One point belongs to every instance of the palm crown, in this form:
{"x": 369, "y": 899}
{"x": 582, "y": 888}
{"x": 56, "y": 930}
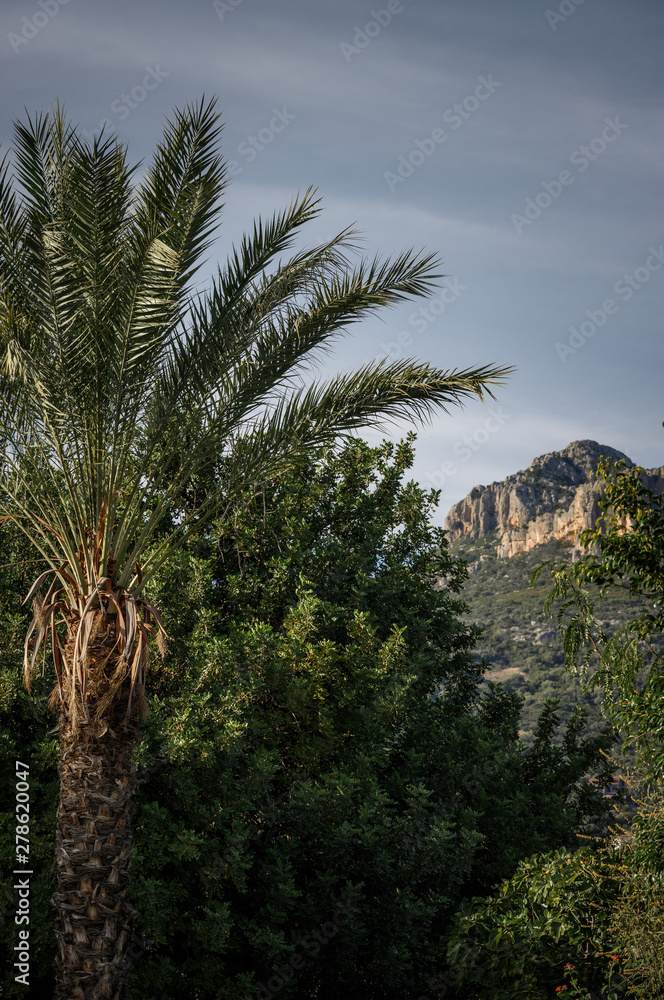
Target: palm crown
{"x": 111, "y": 359}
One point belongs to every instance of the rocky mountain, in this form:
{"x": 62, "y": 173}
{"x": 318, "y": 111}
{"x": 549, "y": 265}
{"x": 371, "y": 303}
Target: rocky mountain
{"x": 533, "y": 516}
{"x": 554, "y": 498}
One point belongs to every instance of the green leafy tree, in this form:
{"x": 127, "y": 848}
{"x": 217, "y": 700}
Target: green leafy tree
{"x": 637, "y": 918}
{"x": 545, "y": 933}
{"x": 626, "y": 550}
{"x": 298, "y": 763}
{"x": 297, "y": 780}
{"x": 121, "y": 383}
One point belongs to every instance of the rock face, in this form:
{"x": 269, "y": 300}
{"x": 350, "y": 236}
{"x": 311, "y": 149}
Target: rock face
{"x": 553, "y": 498}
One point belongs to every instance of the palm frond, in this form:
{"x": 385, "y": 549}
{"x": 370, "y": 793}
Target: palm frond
{"x": 324, "y": 413}
{"x": 179, "y": 199}
{"x": 119, "y": 384}
{"x": 376, "y": 395}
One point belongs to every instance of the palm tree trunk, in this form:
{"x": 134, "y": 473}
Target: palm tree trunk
{"x": 93, "y": 839}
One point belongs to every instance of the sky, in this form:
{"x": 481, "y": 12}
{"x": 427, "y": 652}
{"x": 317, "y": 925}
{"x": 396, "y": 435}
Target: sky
{"x": 522, "y": 141}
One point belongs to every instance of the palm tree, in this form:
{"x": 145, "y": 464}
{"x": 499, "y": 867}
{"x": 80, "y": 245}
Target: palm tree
{"x": 120, "y": 383}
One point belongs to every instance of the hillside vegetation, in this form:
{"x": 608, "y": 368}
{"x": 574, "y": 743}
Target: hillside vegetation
{"x": 519, "y": 640}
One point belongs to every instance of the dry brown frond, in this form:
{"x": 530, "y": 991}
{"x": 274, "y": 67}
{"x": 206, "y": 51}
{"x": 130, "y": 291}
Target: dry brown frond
{"x": 141, "y": 702}
{"x": 55, "y": 698}
{"x": 112, "y": 684}
{"x": 42, "y": 618}
{"x": 162, "y": 645}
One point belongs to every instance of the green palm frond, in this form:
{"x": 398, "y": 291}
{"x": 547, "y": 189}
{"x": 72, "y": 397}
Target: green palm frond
{"x": 376, "y": 395}
{"x": 179, "y": 200}
{"x": 110, "y": 360}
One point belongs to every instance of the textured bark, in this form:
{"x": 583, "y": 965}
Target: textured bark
{"x": 93, "y": 839}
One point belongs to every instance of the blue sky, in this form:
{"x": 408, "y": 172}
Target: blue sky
{"x": 521, "y": 140}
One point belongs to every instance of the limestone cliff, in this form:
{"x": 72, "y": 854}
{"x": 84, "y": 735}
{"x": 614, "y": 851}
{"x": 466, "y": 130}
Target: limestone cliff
{"x": 553, "y": 498}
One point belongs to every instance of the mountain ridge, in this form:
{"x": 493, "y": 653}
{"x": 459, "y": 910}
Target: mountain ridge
{"x": 554, "y": 498}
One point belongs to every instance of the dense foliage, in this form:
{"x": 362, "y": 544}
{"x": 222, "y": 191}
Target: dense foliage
{"x": 626, "y": 553}
{"x": 526, "y": 652}
{"x": 546, "y": 930}
{"x": 306, "y": 804}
